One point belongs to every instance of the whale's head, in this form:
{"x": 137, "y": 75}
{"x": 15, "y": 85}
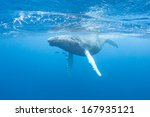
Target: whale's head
{"x": 60, "y": 41}
{"x": 55, "y": 41}
{"x": 67, "y": 43}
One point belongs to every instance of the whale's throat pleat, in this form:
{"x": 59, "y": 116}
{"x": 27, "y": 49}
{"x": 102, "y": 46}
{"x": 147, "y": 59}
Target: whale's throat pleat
{"x": 92, "y": 62}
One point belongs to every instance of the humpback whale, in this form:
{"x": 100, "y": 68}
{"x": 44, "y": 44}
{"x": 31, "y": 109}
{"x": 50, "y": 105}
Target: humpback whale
{"x": 81, "y": 45}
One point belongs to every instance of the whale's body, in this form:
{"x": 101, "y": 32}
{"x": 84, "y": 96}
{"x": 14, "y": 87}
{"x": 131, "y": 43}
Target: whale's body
{"x": 81, "y": 45}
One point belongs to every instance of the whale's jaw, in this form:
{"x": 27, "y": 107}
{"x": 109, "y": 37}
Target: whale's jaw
{"x": 68, "y": 44}
{"x": 55, "y": 41}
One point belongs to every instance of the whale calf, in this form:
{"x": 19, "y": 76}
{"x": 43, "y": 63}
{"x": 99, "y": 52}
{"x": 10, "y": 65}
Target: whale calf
{"x": 81, "y": 45}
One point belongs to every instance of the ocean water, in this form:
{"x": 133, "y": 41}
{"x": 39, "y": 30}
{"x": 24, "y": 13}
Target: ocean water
{"x": 31, "y": 69}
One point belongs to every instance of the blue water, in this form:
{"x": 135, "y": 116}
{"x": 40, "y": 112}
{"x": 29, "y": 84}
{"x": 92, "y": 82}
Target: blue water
{"x": 31, "y": 69}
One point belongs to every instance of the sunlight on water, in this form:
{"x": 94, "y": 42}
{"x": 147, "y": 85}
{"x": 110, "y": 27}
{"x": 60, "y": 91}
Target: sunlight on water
{"x": 98, "y": 18}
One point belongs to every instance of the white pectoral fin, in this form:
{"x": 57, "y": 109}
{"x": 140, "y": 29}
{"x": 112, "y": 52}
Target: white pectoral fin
{"x": 92, "y": 62}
